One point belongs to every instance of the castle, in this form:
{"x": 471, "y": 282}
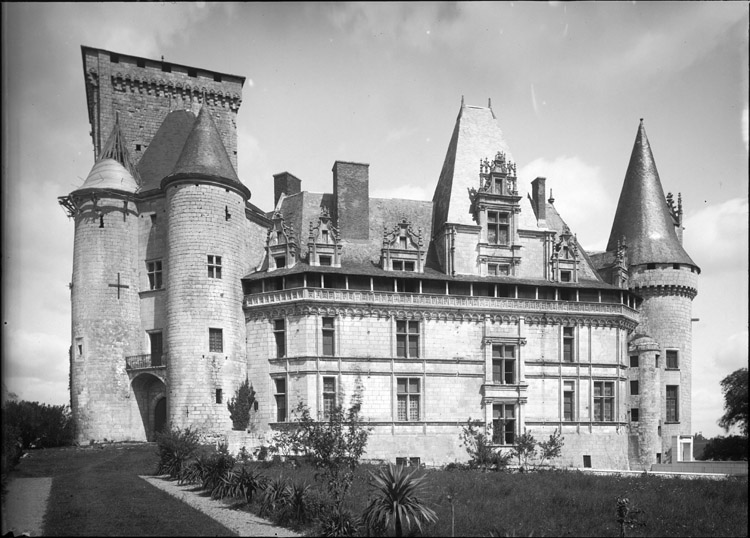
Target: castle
{"x": 478, "y": 304}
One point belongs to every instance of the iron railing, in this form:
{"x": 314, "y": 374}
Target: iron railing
{"x": 140, "y": 362}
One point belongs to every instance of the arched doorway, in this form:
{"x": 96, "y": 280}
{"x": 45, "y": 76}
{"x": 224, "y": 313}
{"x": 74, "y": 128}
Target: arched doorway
{"x": 160, "y": 415}
{"x": 151, "y": 394}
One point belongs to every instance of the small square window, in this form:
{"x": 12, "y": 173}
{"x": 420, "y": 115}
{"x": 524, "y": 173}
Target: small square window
{"x": 565, "y": 276}
{"x": 398, "y": 265}
{"x": 587, "y": 461}
{"x": 114, "y": 58}
{"x": 217, "y": 77}
{"x": 634, "y": 361}
{"x": 325, "y": 260}
{"x": 280, "y": 261}
{"x": 192, "y": 73}
{"x": 140, "y": 63}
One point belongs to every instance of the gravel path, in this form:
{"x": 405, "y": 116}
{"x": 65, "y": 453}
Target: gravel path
{"x": 243, "y": 523}
{"x": 25, "y": 505}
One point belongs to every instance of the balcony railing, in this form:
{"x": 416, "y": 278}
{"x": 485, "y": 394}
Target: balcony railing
{"x": 141, "y": 362}
{"x": 450, "y": 301}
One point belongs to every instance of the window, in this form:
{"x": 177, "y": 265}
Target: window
{"x": 154, "y": 275}
{"x": 504, "y": 364}
{"x": 503, "y": 424}
{"x": 497, "y": 228}
{"x": 496, "y": 269}
{"x": 279, "y": 333}
{"x": 156, "y": 342}
{"x": 325, "y": 260}
{"x": 329, "y": 334}
{"x": 408, "y": 394}
{"x": 634, "y": 414}
{"x": 673, "y": 414}
{"x": 569, "y": 409}
{"x": 280, "y": 397}
{"x": 329, "y": 396}
{"x": 325, "y": 237}
{"x": 407, "y": 338}
{"x": 402, "y": 243}
{"x": 604, "y": 401}
{"x": 568, "y": 344}
{"x": 399, "y": 265}
{"x": 657, "y": 361}
{"x": 673, "y": 362}
{"x": 634, "y": 361}
{"x": 216, "y": 340}
{"x": 634, "y": 388}
{"x": 214, "y": 266}
{"x": 280, "y": 261}
{"x": 565, "y": 275}
{"x": 218, "y": 396}
{"x": 586, "y": 461}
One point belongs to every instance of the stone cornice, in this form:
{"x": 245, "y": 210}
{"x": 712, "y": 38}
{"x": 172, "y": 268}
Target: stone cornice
{"x": 665, "y": 290}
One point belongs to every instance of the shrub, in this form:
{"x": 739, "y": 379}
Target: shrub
{"x": 732, "y": 448}
{"x": 396, "y": 502}
{"x": 39, "y": 425}
{"x": 241, "y": 404}
{"x": 337, "y": 521}
{"x": 275, "y": 496}
{"x": 478, "y": 444}
{"x": 215, "y": 472}
{"x": 243, "y": 484}
{"x": 175, "y": 447}
{"x": 551, "y": 449}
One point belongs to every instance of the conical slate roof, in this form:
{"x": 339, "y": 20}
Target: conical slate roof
{"x": 476, "y": 136}
{"x": 204, "y": 155}
{"x": 162, "y": 153}
{"x": 643, "y": 216}
{"x": 110, "y": 175}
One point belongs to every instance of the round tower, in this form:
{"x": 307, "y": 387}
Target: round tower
{"x": 665, "y": 277}
{"x": 105, "y": 303}
{"x": 206, "y": 260}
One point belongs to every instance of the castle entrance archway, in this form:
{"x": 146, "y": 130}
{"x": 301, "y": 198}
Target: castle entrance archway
{"x": 151, "y": 394}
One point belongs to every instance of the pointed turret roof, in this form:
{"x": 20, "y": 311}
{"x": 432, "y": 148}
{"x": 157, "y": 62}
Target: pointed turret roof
{"x": 113, "y": 170}
{"x": 204, "y": 156}
{"x": 476, "y": 136}
{"x": 643, "y": 216}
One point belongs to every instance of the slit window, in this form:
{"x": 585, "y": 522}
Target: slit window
{"x": 279, "y": 334}
{"x": 219, "y": 396}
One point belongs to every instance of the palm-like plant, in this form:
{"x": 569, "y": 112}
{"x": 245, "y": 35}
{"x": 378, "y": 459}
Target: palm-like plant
{"x": 396, "y": 502}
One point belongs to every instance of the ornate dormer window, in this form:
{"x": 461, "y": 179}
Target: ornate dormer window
{"x": 564, "y": 259}
{"x": 281, "y": 244}
{"x": 323, "y": 242}
{"x": 403, "y": 248}
{"x": 495, "y": 206}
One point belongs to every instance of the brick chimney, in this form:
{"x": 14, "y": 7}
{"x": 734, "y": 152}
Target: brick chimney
{"x": 539, "y": 197}
{"x": 351, "y": 199}
{"x": 286, "y": 183}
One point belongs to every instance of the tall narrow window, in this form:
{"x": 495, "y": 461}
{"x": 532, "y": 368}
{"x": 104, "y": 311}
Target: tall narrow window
{"x": 673, "y": 362}
{"x": 329, "y": 336}
{"x": 568, "y": 344}
{"x": 280, "y": 398}
{"x": 324, "y": 237}
{"x": 407, "y": 338}
{"x": 329, "y": 396}
{"x": 279, "y": 334}
{"x": 219, "y": 396}
{"x": 402, "y": 244}
{"x": 673, "y": 414}
{"x": 216, "y": 340}
{"x": 408, "y": 395}
{"x": 497, "y": 228}
{"x": 604, "y": 401}
{"x": 503, "y": 424}
{"x": 634, "y": 361}
{"x": 634, "y": 414}
{"x": 214, "y": 266}
{"x": 154, "y": 275}
{"x": 504, "y": 364}
{"x": 569, "y": 397}
{"x": 634, "y": 388}
{"x": 156, "y": 342}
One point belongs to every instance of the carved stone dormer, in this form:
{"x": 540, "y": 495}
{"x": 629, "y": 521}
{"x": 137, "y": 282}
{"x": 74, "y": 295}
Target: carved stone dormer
{"x": 324, "y": 242}
{"x": 620, "y": 273}
{"x": 281, "y": 244}
{"x": 564, "y": 258}
{"x": 403, "y": 248}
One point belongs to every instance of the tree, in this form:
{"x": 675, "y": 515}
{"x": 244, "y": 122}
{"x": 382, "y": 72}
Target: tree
{"x": 552, "y": 448}
{"x": 241, "y": 404}
{"x": 525, "y": 449}
{"x": 477, "y": 444}
{"x": 396, "y": 502}
{"x": 734, "y": 387}
{"x": 732, "y": 448}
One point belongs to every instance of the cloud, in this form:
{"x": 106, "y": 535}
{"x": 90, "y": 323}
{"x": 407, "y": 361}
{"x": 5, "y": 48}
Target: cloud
{"x": 717, "y": 236}
{"x": 731, "y": 353}
{"x": 580, "y": 197}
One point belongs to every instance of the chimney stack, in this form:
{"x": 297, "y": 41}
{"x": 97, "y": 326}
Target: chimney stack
{"x": 285, "y": 183}
{"x": 539, "y": 197}
{"x": 351, "y": 199}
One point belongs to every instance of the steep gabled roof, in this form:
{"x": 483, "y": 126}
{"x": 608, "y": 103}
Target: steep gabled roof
{"x": 643, "y": 216}
{"x": 476, "y": 136}
{"x": 160, "y": 157}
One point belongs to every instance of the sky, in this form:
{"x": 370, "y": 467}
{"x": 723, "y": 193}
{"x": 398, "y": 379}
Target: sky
{"x": 382, "y": 84}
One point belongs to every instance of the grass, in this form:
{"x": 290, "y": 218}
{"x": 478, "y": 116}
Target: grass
{"x": 97, "y": 492}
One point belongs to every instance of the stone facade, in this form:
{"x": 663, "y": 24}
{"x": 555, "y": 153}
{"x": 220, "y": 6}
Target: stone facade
{"x": 478, "y": 305}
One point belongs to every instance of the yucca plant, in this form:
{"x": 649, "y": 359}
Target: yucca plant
{"x": 247, "y": 484}
{"x": 396, "y": 502}
{"x": 175, "y": 448}
{"x": 275, "y": 496}
{"x": 337, "y": 521}
{"x": 298, "y": 502}
{"x": 215, "y": 468}
{"x": 192, "y": 473}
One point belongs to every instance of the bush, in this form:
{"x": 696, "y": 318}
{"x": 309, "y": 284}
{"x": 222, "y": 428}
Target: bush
{"x": 732, "y": 448}
{"x": 39, "y": 425}
{"x": 175, "y": 448}
{"x": 241, "y": 404}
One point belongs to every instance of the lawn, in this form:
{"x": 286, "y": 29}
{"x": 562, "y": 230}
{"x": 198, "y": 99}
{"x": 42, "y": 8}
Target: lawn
{"x": 97, "y": 492}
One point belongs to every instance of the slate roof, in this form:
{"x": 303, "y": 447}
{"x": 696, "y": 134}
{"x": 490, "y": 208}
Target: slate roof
{"x": 110, "y": 175}
{"x": 160, "y": 157}
{"x": 642, "y": 215}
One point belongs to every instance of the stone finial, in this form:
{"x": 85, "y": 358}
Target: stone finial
{"x": 551, "y": 198}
